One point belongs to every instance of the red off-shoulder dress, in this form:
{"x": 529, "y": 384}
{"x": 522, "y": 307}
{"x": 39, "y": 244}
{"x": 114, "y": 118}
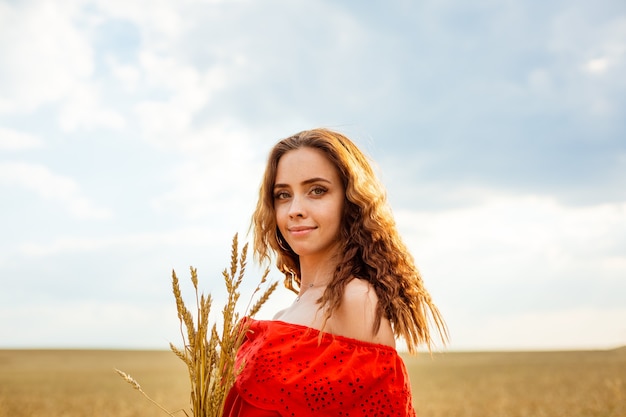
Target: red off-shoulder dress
{"x": 289, "y": 371}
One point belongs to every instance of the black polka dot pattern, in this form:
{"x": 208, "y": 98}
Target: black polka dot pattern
{"x": 290, "y": 369}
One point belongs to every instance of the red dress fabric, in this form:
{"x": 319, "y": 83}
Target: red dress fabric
{"x": 289, "y": 371}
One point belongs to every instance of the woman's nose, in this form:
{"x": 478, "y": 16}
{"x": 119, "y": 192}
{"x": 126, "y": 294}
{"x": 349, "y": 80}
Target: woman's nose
{"x": 296, "y": 208}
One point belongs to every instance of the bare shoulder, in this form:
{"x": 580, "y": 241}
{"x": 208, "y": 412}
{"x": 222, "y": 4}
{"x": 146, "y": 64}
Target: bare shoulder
{"x": 356, "y": 315}
{"x": 278, "y": 315}
{"x": 359, "y": 295}
{"x": 359, "y": 286}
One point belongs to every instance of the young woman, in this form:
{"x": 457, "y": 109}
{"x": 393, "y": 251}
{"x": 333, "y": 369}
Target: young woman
{"x": 323, "y": 214}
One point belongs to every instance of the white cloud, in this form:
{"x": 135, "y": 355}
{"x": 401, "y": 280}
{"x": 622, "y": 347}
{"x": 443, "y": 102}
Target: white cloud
{"x": 89, "y": 323}
{"x": 49, "y": 185}
{"x": 167, "y": 122}
{"x": 526, "y": 248}
{"x": 508, "y": 271}
{"x": 597, "y": 65}
{"x": 532, "y": 238}
{"x": 128, "y": 75}
{"x": 146, "y": 241}
{"x": 82, "y": 109}
{"x": 161, "y": 21}
{"x": 219, "y": 177}
{"x": 589, "y": 58}
{"x": 43, "y": 53}
{"x": 48, "y": 57}
{"x": 14, "y": 140}
{"x": 583, "y": 328}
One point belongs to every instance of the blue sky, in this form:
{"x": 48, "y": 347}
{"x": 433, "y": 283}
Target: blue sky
{"x": 133, "y": 136}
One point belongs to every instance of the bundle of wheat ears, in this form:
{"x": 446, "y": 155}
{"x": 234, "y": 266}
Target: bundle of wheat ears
{"x": 209, "y": 354}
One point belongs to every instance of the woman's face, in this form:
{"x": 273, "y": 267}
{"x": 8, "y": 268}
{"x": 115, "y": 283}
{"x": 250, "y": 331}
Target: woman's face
{"x": 308, "y": 200}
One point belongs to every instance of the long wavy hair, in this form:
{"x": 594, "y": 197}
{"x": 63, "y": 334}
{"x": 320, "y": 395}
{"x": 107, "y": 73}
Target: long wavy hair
{"x": 370, "y": 246}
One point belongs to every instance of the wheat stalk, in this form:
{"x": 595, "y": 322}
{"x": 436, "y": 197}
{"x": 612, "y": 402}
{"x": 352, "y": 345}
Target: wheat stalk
{"x": 209, "y": 355}
{"x": 136, "y": 385}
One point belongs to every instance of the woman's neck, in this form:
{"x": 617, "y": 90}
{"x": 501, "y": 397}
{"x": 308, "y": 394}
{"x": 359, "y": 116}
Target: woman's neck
{"x": 316, "y": 272}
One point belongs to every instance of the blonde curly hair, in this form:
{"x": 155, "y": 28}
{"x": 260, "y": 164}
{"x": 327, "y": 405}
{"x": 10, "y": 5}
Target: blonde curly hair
{"x": 370, "y": 245}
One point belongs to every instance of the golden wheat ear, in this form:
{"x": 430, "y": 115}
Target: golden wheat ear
{"x": 136, "y": 386}
{"x": 210, "y": 357}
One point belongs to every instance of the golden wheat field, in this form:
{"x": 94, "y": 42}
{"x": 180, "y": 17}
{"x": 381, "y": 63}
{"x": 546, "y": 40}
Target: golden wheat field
{"x": 72, "y": 383}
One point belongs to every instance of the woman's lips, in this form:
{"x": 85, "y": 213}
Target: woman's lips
{"x": 300, "y": 230}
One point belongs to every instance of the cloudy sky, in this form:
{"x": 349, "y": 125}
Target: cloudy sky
{"x": 133, "y": 136}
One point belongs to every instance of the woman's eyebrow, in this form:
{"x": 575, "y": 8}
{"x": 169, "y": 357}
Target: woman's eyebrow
{"x": 305, "y": 182}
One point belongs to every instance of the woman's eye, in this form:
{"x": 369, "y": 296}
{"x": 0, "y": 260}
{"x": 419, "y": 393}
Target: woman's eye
{"x": 281, "y": 195}
{"x": 318, "y": 191}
